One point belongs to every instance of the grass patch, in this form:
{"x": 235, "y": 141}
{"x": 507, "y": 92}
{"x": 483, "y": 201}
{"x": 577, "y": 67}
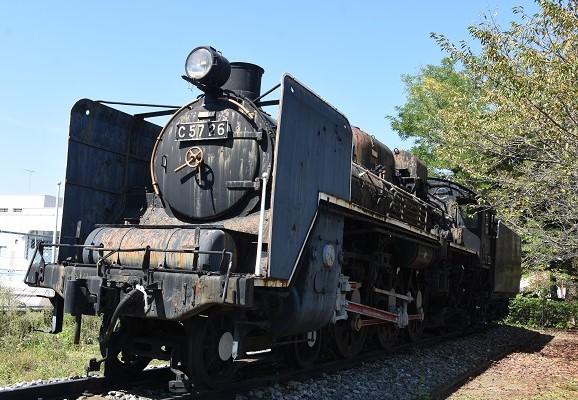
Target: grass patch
{"x": 567, "y": 390}
{"x": 27, "y": 355}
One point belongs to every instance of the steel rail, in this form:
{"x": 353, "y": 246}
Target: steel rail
{"x": 82, "y": 385}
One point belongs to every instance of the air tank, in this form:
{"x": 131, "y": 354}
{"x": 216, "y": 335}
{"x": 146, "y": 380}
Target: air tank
{"x": 169, "y": 248}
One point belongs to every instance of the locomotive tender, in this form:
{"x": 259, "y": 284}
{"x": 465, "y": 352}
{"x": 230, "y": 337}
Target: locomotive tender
{"x": 229, "y": 236}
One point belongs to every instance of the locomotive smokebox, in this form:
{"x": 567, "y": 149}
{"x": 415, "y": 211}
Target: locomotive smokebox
{"x": 245, "y": 79}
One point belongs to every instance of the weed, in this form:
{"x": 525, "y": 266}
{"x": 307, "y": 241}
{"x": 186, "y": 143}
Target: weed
{"x": 26, "y": 354}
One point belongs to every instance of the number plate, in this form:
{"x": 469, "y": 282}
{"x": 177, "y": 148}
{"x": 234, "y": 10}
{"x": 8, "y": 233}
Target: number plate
{"x": 203, "y": 130}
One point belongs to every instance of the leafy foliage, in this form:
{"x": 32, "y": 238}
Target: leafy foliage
{"x": 541, "y": 312}
{"x": 434, "y": 89}
{"x": 511, "y": 131}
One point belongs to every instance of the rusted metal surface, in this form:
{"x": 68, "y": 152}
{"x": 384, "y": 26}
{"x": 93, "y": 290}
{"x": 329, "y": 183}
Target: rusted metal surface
{"x": 372, "y": 312}
{"x": 374, "y": 193}
{"x": 273, "y": 283}
{"x": 155, "y": 215}
{"x": 385, "y": 219}
{"x": 406, "y": 160}
{"x": 41, "y": 274}
{"x": 372, "y": 154}
{"x": 170, "y": 295}
{"x": 188, "y": 294}
{"x": 411, "y": 173}
{"x": 173, "y": 248}
{"x": 248, "y": 224}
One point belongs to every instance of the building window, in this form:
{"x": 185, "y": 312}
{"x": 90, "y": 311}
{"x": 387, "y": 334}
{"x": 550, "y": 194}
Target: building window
{"x": 17, "y": 209}
{"x": 34, "y": 238}
{"x": 3, "y": 210}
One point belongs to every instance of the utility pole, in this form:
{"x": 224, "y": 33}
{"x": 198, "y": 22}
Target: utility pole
{"x": 30, "y": 172}
{"x": 55, "y": 249}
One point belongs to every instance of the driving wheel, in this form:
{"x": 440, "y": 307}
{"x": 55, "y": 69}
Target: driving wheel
{"x": 386, "y": 334}
{"x": 305, "y": 352}
{"x": 348, "y": 335}
{"x": 212, "y": 347}
{"x": 119, "y": 360}
{"x": 418, "y": 305}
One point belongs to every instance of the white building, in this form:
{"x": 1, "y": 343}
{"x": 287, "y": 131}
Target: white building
{"x": 24, "y": 221}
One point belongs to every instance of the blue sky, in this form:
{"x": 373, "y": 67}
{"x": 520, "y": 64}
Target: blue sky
{"x": 351, "y": 53}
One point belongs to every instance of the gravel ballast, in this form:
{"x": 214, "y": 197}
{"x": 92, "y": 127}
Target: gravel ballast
{"x": 412, "y": 374}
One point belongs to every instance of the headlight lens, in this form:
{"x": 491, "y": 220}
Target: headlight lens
{"x": 199, "y": 63}
{"x": 207, "y": 66}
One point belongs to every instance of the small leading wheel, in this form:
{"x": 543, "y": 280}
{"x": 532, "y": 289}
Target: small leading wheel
{"x": 418, "y": 305}
{"x": 212, "y": 347}
{"x": 348, "y": 335}
{"x": 304, "y": 354}
{"x": 386, "y": 334}
{"x": 119, "y": 359}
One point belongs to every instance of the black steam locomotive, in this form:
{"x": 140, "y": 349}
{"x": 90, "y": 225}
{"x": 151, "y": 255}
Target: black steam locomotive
{"x": 229, "y": 236}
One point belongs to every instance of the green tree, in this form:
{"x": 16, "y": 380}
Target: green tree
{"x": 433, "y": 89}
{"x": 516, "y": 140}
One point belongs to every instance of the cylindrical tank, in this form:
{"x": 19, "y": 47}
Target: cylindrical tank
{"x": 245, "y": 79}
{"x": 372, "y": 154}
{"x": 203, "y": 241}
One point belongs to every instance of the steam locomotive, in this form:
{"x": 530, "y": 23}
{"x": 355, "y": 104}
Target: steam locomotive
{"x": 228, "y": 236}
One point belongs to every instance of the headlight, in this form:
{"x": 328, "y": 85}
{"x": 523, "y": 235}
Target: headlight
{"x": 207, "y": 66}
{"x": 199, "y": 63}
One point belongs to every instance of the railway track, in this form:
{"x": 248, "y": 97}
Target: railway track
{"x": 153, "y": 382}
{"x": 78, "y": 386}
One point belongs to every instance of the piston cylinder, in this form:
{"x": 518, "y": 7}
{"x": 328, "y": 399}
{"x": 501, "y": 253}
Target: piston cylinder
{"x": 412, "y": 255}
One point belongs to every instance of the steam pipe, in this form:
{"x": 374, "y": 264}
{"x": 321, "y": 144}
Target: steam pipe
{"x": 264, "y": 177}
